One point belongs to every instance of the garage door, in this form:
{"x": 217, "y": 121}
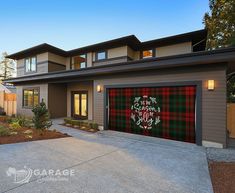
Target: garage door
{"x": 166, "y": 112}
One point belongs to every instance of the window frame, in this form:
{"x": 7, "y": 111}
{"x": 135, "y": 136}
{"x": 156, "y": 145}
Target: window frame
{"x": 30, "y": 62}
{"x": 30, "y": 89}
{"x": 153, "y": 53}
{"x": 106, "y": 55}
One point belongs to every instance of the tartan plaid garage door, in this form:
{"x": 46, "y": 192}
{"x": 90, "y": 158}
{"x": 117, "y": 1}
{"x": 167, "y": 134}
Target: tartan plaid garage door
{"x": 166, "y": 112}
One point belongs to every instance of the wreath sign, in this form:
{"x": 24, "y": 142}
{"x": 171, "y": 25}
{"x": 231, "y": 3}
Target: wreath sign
{"x": 145, "y": 112}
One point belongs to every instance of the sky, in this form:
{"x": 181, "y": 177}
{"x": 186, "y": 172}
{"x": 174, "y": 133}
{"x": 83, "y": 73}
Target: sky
{"x": 70, "y": 24}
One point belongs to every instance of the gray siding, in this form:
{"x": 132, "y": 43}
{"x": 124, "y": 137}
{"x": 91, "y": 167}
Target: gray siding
{"x": 19, "y": 91}
{"x": 213, "y": 102}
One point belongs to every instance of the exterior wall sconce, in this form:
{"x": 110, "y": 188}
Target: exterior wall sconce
{"x": 98, "y": 88}
{"x": 211, "y": 84}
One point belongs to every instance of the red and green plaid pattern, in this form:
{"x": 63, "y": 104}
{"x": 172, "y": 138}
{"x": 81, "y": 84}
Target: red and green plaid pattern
{"x": 177, "y": 111}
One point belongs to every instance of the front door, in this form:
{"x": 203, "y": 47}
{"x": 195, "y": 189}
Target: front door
{"x": 79, "y": 104}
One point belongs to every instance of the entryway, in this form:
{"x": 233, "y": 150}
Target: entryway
{"x": 79, "y": 104}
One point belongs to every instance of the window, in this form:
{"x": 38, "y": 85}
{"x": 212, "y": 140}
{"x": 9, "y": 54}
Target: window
{"x": 30, "y": 64}
{"x": 147, "y": 54}
{"x": 30, "y": 97}
{"x": 79, "y": 61}
{"x": 101, "y": 55}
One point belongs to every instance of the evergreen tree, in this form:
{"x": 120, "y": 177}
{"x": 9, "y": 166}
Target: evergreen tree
{"x": 41, "y": 117}
{"x": 220, "y": 24}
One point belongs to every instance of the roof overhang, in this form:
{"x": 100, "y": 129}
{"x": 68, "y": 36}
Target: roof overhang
{"x": 226, "y": 55}
{"x": 42, "y": 48}
{"x": 132, "y": 41}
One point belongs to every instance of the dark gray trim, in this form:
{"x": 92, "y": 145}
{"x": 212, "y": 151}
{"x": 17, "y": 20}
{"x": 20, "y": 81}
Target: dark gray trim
{"x": 51, "y": 62}
{"x": 113, "y": 59}
{"x": 198, "y": 84}
{"x": 221, "y": 56}
{"x": 44, "y": 62}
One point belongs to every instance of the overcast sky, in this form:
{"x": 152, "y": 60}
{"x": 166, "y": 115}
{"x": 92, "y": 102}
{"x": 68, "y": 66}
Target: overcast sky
{"x": 70, "y": 24}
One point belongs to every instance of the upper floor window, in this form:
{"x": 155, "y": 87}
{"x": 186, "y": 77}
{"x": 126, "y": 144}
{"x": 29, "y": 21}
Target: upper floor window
{"x": 30, "y": 64}
{"x": 147, "y": 53}
{"x": 79, "y": 62}
{"x": 101, "y": 55}
{"x": 30, "y": 97}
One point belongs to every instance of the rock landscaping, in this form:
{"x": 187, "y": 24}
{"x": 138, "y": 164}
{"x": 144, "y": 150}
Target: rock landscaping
{"x": 222, "y": 169}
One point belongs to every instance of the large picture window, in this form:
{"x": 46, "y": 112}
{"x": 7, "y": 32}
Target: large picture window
{"x": 30, "y": 97}
{"x": 79, "y": 62}
{"x": 30, "y": 64}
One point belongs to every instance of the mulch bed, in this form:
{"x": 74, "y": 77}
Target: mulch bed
{"x": 222, "y": 176}
{"x": 81, "y": 128}
{"x": 36, "y": 135}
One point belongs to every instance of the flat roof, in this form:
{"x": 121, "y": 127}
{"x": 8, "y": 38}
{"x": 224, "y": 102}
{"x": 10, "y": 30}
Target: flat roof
{"x": 223, "y": 55}
{"x": 131, "y": 41}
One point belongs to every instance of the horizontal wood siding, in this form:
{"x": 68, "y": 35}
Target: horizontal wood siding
{"x": 55, "y": 67}
{"x": 57, "y": 100}
{"x": 213, "y": 102}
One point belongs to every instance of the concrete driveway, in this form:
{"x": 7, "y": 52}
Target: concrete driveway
{"x": 106, "y": 162}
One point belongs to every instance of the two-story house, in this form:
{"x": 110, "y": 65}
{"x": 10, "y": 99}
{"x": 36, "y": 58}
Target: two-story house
{"x": 170, "y": 87}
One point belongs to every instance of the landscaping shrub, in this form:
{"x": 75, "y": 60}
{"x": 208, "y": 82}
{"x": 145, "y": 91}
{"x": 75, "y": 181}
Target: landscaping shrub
{"x": 81, "y": 123}
{"x": 75, "y": 122}
{"x": 23, "y": 121}
{"x": 68, "y": 121}
{"x": 14, "y": 125}
{"x": 4, "y": 131}
{"x": 41, "y": 117}
{"x": 93, "y": 126}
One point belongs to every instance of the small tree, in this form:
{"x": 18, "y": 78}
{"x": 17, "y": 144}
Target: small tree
{"x": 41, "y": 117}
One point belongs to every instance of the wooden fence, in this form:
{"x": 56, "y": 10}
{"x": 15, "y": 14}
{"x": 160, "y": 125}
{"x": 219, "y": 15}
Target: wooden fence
{"x": 8, "y": 103}
{"x": 231, "y": 119}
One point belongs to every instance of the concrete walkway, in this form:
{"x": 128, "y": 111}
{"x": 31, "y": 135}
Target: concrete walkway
{"x": 108, "y": 162}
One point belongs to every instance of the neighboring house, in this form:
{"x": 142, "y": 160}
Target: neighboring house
{"x": 4, "y": 88}
{"x": 170, "y": 87}
{"x": 8, "y": 88}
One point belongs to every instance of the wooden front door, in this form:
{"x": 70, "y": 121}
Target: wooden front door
{"x": 79, "y": 104}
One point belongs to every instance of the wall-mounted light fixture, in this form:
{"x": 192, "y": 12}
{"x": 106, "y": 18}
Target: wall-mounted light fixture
{"x": 98, "y": 88}
{"x": 211, "y": 84}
